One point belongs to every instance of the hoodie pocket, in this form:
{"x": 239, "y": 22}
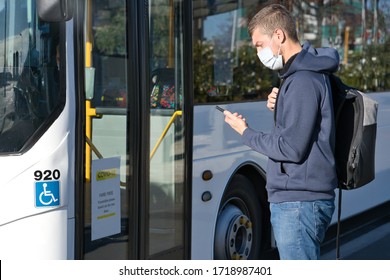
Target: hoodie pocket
{"x": 276, "y": 176}
{"x": 296, "y": 174}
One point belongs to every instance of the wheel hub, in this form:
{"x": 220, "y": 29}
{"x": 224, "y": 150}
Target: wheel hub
{"x": 233, "y": 238}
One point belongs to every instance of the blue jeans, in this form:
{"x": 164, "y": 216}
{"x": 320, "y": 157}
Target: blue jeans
{"x": 299, "y": 227}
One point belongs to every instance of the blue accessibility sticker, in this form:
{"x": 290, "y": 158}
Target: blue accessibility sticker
{"x": 47, "y": 193}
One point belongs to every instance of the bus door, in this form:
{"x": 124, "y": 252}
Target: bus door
{"x": 135, "y": 142}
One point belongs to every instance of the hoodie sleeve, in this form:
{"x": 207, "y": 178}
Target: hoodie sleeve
{"x": 291, "y": 138}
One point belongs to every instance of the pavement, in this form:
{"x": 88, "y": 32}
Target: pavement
{"x": 373, "y": 245}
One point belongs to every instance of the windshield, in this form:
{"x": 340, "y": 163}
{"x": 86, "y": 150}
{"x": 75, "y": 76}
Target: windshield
{"x": 29, "y": 73}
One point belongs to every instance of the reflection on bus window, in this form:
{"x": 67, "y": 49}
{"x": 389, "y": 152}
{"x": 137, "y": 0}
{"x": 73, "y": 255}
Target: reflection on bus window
{"x": 109, "y": 53}
{"x": 359, "y": 30}
{"x": 226, "y": 67}
{"x": 163, "y": 89}
{"x": 29, "y": 76}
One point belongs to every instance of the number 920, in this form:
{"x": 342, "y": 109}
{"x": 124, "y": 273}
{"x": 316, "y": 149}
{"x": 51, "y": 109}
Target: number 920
{"x": 47, "y": 175}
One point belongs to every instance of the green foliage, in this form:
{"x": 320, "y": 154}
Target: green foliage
{"x": 250, "y": 80}
{"x": 110, "y": 37}
{"x": 368, "y": 70}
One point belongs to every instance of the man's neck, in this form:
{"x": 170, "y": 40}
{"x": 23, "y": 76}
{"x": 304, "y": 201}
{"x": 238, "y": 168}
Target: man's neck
{"x": 291, "y": 49}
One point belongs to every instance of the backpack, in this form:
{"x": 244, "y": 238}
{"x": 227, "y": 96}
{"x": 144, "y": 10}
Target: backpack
{"x": 355, "y": 118}
{"x": 356, "y": 125}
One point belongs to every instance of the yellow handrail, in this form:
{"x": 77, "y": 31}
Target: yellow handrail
{"x": 91, "y": 112}
{"x": 171, "y": 120}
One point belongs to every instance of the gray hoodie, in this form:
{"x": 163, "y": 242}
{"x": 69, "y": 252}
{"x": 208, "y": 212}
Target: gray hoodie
{"x": 300, "y": 148}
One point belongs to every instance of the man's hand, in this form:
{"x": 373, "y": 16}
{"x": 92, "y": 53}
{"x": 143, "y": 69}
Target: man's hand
{"x": 272, "y": 99}
{"x": 236, "y": 121}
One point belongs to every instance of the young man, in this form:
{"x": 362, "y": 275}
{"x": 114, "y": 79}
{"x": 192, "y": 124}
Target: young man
{"x": 301, "y": 174}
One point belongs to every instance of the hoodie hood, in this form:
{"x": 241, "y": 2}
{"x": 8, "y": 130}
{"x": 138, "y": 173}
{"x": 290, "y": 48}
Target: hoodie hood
{"x": 322, "y": 60}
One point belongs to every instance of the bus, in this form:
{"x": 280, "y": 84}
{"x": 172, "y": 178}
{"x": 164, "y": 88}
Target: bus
{"x": 110, "y": 143}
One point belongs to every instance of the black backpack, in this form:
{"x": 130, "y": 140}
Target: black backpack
{"x": 356, "y": 125}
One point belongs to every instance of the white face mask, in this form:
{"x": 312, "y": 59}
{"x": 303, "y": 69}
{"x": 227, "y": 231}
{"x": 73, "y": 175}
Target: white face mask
{"x": 269, "y": 59}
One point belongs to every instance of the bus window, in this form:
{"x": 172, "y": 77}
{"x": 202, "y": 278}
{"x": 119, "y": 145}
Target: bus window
{"x": 166, "y": 174}
{"x": 105, "y": 25}
{"x": 29, "y": 74}
{"x": 109, "y": 54}
{"x": 226, "y": 67}
{"x": 358, "y": 30}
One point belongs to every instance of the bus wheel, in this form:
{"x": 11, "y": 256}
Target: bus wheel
{"x": 239, "y": 222}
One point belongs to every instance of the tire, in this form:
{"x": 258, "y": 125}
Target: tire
{"x": 238, "y": 233}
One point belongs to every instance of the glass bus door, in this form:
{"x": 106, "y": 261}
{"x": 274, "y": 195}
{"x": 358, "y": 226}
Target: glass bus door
{"x": 134, "y": 187}
{"x": 167, "y": 140}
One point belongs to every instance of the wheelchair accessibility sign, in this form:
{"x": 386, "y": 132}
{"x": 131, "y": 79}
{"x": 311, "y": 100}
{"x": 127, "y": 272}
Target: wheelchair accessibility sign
{"x": 47, "y": 193}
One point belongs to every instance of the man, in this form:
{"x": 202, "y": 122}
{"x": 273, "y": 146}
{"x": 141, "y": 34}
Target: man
{"x": 301, "y": 174}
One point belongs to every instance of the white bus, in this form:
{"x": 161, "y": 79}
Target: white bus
{"x": 110, "y": 144}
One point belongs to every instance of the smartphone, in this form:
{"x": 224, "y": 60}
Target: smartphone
{"x": 219, "y": 108}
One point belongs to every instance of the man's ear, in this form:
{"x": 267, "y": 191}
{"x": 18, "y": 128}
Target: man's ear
{"x": 280, "y": 36}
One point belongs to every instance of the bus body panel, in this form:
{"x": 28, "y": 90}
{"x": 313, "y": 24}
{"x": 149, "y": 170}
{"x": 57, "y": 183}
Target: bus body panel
{"x": 20, "y": 190}
{"x": 212, "y": 136}
{"x": 28, "y": 229}
{"x": 32, "y": 238}
{"x": 204, "y": 213}
{"x": 219, "y": 149}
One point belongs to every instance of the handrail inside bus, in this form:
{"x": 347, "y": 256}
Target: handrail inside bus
{"x": 171, "y": 120}
{"x": 123, "y": 111}
{"x": 100, "y": 111}
{"x": 93, "y": 147}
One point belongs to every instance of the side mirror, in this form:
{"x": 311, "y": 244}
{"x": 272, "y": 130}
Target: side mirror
{"x": 55, "y": 10}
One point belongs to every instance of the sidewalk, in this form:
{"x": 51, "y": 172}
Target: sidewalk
{"x": 374, "y": 245}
